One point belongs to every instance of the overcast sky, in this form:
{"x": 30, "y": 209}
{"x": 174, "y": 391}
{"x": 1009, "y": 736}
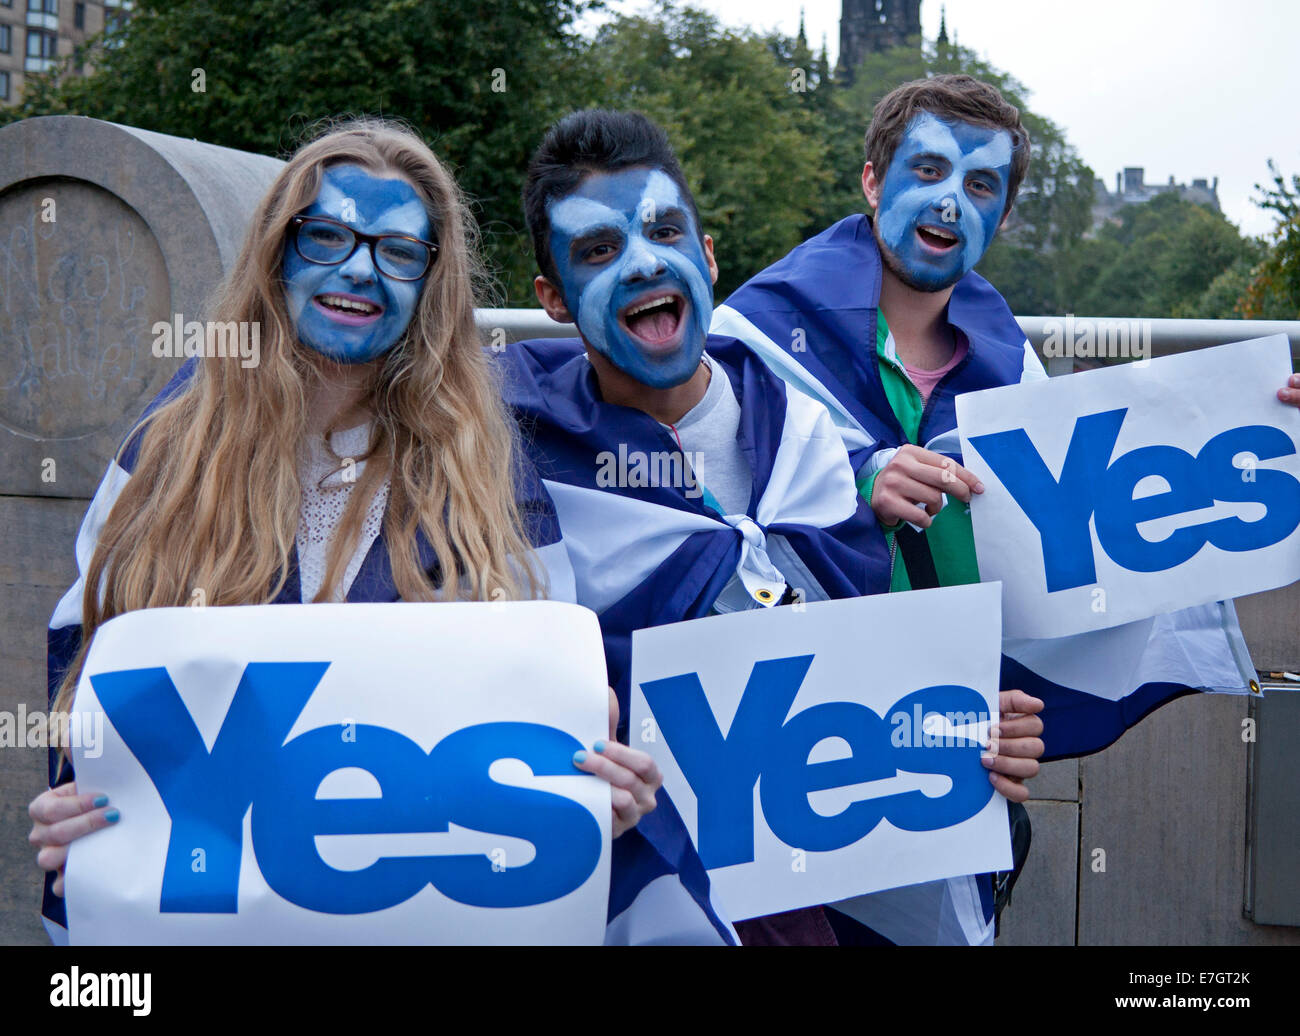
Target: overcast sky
{"x": 1197, "y": 88}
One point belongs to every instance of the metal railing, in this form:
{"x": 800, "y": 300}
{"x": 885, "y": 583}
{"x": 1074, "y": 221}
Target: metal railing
{"x": 1111, "y": 339}
{"x": 518, "y": 324}
{"x": 1162, "y": 337}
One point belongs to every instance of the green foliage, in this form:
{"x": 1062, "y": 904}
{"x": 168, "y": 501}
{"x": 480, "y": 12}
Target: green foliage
{"x": 1273, "y": 291}
{"x": 1222, "y": 300}
{"x": 770, "y": 141}
{"x": 751, "y": 146}
{"x": 1160, "y": 260}
{"x": 1053, "y": 209}
{"x": 274, "y": 68}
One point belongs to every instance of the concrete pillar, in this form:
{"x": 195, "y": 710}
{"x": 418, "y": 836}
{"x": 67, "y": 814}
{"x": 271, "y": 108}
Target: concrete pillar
{"x": 104, "y": 230}
{"x": 107, "y": 229}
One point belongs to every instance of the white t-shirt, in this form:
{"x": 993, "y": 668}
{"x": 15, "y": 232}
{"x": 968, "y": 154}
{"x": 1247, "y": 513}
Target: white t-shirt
{"x": 708, "y": 438}
{"x": 707, "y": 435}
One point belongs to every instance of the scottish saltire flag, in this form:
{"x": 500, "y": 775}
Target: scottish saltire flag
{"x": 647, "y": 546}
{"x": 645, "y": 555}
{"x": 658, "y": 890}
{"x": 812, "y": 318}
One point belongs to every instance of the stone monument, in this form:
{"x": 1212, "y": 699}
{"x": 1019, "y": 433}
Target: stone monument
{"x": 104, "y": 231}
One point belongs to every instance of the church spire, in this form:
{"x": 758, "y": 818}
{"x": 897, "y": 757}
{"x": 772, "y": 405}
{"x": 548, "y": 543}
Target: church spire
{"x": 874, "y": 26}
{"x": 943, "y": 26}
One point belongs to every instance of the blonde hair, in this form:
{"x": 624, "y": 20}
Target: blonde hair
{"x": 213, "y": 501}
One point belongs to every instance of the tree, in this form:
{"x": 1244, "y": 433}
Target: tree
{"x": 477, "y": 79}
{"x": 752, "y": 148}
{"x": 1222, "y": 299}
{"x": 1273, "y": 291}
{"x": 1053, "y": 210}
{"x": 1161, "y": 260}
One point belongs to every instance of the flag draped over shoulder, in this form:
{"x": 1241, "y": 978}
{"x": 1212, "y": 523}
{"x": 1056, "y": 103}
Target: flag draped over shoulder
{"x": 812, "y": 318}
{"x": 649, "y": 554}
{"x": 645, "y": 901}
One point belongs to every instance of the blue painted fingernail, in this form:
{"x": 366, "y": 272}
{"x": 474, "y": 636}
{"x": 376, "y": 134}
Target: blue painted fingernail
{"x": 599, "y": 746}
{"x": 101, "y": 800}
{"x": 112, "y": 816}
{"x": 579, "y": 757}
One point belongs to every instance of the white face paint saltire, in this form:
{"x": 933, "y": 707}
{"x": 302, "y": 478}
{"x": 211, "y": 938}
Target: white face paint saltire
{"x": 633, "y": 273}
{"x": 942, "y": 199}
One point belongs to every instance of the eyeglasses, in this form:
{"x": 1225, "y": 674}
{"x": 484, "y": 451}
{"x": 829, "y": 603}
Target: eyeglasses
{"x": 328, "y": 242}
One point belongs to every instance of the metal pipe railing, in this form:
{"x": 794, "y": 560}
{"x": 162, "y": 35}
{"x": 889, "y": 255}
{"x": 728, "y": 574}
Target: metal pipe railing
{"x": 1112, "y": 338}
{"x": 502, "y": 326}
{"x": 1166, "y": 335}
{"x": 1062, "y": 340}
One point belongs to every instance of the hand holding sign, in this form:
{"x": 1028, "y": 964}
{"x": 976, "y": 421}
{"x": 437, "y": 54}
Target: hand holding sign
{"x": 802, "y": 781}
{"x": 915, "y": 480}
{"x": 1119, "y": 494}
{"x": 345, "y": 773}
{"x": 60, "y": 816}
{"x": 1290, "y": 393}
{"x": 1014, "y": 745}
{"x": 632, "y": 775}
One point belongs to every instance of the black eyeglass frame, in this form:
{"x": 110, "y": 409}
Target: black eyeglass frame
{"x": 358, "y": 239}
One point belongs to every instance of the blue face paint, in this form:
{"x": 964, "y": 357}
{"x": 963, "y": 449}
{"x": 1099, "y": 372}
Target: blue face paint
{"x": 942, "y": 199}
{"x": 633, "y": 273}
{"x": 352, "y": 312}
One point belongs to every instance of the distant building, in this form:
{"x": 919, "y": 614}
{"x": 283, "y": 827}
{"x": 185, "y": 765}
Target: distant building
{"x": 36, "y": 34}
{"x": 870, "y": 26}
{"x": 1131, "y": 188}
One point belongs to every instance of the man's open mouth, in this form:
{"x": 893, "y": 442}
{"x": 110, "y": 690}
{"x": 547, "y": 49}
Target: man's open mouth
{"x": 656, "y": 320}
{"x": 937, "y": 238}
{"x": 348, "y": 309}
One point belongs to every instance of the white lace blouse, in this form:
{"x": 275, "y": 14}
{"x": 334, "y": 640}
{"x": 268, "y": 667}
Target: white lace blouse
{"x": 326, "y": 483}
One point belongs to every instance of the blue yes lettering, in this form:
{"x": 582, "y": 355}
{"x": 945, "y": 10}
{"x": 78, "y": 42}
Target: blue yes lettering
{"x": 352, "y": 312}
{"x": 942, "y": 199}
{"x": 762, "y": 742}
{"x": 1092, "y": 485}
{"x": 633, "y": 273}
{"x": 207, "y": 795}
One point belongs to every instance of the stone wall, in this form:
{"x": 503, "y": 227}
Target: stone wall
{"x": 104, "y": 230}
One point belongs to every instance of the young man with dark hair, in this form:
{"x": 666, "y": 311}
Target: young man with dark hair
{"x": 687, "y": 479}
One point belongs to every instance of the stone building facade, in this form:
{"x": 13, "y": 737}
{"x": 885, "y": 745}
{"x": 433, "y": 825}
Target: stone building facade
{"x": 1131, "y": 188}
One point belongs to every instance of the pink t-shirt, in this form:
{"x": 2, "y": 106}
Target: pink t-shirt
{"x": 925, "y": 381}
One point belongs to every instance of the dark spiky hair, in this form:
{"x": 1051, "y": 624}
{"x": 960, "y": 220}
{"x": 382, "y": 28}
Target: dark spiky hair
{"x": 594, "y": 140}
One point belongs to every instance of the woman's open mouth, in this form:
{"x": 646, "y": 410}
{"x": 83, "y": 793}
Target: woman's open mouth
{"x": 657, "y": 321}
{"x": 937, "y": 238}
{"x": 348, "y": 309}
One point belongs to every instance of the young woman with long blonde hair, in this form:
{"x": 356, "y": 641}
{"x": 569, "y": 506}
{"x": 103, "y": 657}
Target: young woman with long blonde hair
{"x": 366, "y": 456}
